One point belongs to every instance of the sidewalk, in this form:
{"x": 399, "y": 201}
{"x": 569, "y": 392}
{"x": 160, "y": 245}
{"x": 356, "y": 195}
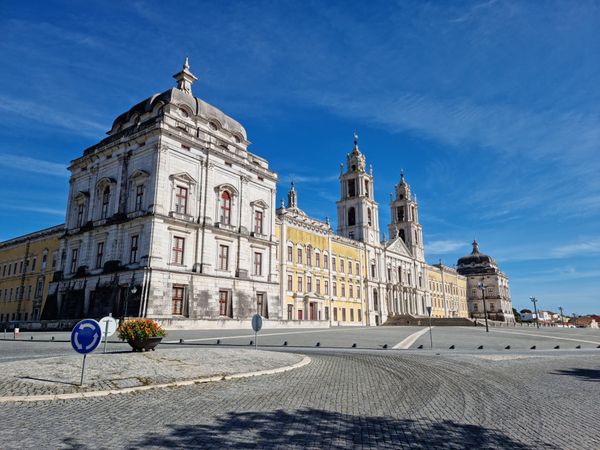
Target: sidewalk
{"x": 121, "y": 370}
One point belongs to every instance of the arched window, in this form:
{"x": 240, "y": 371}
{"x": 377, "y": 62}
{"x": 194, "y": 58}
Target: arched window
{"x": 351, "y": 217}
{"x": 367, "y": 188}
{"x": 226, "y": 208}
{"x": 105, "y": 202}
{"x": 402, "y": 236}
{"x": 369, "y": 219}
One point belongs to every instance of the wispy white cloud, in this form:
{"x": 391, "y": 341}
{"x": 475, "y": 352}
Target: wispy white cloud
{"x": 38, "y": 209}
{"x": 587, "y": 248}
{"x": 41, "y": 114}
{"x": 27, "y": 164}
{"x": 440, "y": 247}
{"x": 307, "y": 179}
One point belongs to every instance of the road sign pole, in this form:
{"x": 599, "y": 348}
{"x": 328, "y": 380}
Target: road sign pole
{"x": 430, "y": 334}
{"x": 82, "y": 369}
{"x": 105, "y": 336}
{"x": 255, "y": 340}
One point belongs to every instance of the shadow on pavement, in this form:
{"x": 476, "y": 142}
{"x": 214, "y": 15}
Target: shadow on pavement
{"x": 46, "y": 380}
{"x": 312, "y": 428}
{"x": 583, "y": 374}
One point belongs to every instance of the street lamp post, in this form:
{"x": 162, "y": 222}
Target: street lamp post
{"x": 562, "y": 318}
{"x": 133, "y": 290}
{"x": 537, "y": 319}
{"x": 482, "y": 287}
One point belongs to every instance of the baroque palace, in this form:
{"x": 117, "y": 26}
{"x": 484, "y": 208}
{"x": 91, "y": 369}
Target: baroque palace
{"x": 171, "y": 217}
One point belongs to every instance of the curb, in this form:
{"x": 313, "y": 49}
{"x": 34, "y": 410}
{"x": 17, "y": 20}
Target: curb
{"x": 91, "y": 394}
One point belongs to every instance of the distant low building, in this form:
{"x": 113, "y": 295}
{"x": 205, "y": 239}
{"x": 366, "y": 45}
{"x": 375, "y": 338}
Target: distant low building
{"x": 585, "y": 322}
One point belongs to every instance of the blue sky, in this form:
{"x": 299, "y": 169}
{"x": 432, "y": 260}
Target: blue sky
{"x": 490, "y": 107}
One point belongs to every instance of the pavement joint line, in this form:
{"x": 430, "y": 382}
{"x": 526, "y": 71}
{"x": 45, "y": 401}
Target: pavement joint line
{"x": 410, "y": 340}
{"x": 549, "y": 337}
{"x": 91, "y": 394}
{"x": 245, "y": 336}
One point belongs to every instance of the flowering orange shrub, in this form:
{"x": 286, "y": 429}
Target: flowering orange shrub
{"x": 139, "y": 329}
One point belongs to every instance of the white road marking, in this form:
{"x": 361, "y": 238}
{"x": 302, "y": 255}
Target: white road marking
{"x": 546, "y": 336}
{"x": 260, "y": 335}
{"x": 410, "y": 340}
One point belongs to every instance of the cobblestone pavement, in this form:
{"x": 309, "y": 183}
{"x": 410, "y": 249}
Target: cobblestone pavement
{"x": 60, "y": 375}
{"x": 343, "y": 399}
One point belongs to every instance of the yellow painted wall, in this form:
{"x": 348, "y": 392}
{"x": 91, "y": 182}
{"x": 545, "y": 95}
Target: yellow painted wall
{"x": 456, "y": 292}
{"x": 17, "y": 270}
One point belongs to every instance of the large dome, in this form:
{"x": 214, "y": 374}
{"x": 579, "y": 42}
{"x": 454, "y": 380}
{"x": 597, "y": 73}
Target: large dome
{"x": 476, "y": 262}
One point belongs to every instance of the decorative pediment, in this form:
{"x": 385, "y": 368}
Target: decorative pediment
{"x": 183, "y": 177}
{"x": 82, "y": 196}
{"x": 139, "y": 174}
{"x": 259, "y": 204}
{"x": 398, "y": 246}
{"x": 227, "y": 187}
{"x": 105, "y": 181}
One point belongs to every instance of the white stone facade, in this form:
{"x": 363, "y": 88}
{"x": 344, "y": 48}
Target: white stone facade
{"x": 173, "y": 204}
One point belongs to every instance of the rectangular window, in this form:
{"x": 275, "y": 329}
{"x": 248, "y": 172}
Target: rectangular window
{"x": 327, "y": 313}
{"x": 54, "y": 260}
{"x": 290, "y": 285}
{"x": 357, "y": 269}
{"x": 351, "y": 315}
{"x": 223, "y": 257}
{"x": 309, "y": 257}
{"x": 326, "y": 287}
{"x": 99, "y": 254}
{"x": 74, "y": 253}
{"x": 80, "y": 209}
{"x": 300, "y": 284}
{"x": 373, "y": 270}
{"x": 342, "y": 265}
{"x": 318, "y": 260}
{"x": 318, "y": 287}
{"x": 343, "y": 290}
{"x": 290, "y": 252}
{"x": 351, "y": 188}
{"x": 181, "y": 197}
{"x": 178, "y": 248}
{"x": 258, "y": 263}
{"x": 326, "y": 262}
{"x": 308, "y": 284}
{"x": 334, "y": 289}
{"x": 258, "y": 222}
{"x": 39, "y": 288}
{"x": 177, "y": 300}
{"x": 389, "y": 275}
{"x": 399, "y": 274}
{"x": 333, "y": 265}
{"x": 351, "y": 291}
{"x": 299, "y": 260}
{"x": 335, "y": 314}
{"x": 360, "y": 315}
{"x": 259, "y": 303}
{"x": 343, "y": 314}
{"x": 44, "y": 260}
{"x": 105, "y": 203}
{"x": 29, "y": 289}
{"x": 139, "y": 197}
{"x": 33, "y": 264}
{"x": 133, "y": 249}
{"x": 290, "y": 312}
{"x": 223, "y": 302}
{"x": 350, "y": 267}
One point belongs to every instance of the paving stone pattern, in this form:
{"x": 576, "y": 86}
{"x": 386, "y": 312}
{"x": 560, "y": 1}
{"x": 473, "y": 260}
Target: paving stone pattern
{"x": 365, "y": 399}
{"x": 60, "y": 375}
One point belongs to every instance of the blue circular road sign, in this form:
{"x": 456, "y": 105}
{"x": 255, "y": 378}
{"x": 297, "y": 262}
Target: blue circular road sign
{"x": 86, "y": 336}
{"x": 256, "y": 322}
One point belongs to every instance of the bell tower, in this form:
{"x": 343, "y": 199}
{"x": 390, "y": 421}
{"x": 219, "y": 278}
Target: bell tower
{"x": 405, "y": 219}
{"x": 358, "y": 214}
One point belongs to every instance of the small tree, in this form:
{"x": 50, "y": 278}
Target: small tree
{"x": 517, "y": 315}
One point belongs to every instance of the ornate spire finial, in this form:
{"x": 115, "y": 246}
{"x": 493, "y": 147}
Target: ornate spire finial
{"x": 185, "y": 78}
{"x": 355, "y": 139}
{"x": 475, "y": 248}
{"x": 292, "y": 197}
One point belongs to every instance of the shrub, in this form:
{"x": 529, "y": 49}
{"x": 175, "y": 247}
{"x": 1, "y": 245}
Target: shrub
{"x": 139, "y": 329}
